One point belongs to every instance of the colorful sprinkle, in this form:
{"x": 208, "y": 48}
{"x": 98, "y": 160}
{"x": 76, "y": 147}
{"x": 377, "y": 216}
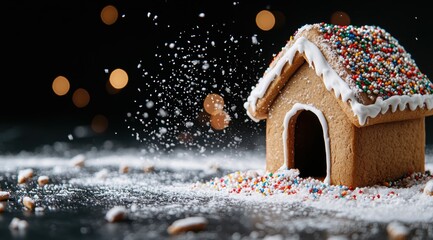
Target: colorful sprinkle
{"x": 378, "y": 65}
{"x": 288, "y": 182}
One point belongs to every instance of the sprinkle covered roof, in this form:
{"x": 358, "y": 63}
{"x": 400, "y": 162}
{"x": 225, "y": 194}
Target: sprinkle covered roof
{"x": 362, "y": 65}
{"x": 378, "y": 65}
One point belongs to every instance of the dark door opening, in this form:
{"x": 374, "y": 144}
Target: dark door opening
{"x": 309, "y": 146}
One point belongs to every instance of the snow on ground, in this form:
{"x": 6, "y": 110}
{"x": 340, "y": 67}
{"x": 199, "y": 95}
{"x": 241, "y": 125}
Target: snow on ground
{"x": 176, "y": 161}
{"x": 179, "y": 184}
{"x": 247, "y": 181}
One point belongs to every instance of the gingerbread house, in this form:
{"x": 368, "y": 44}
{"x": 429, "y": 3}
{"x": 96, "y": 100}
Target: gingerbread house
{"x": 344, "y": 104}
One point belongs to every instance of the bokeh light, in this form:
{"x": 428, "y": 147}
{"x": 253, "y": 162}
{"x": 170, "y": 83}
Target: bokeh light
{"x": 340, "y": 18}
{"x": 109, "y": 14}
{"x": 265, "y": 20}
{"x": 118, "y": 78}
{"x": 81, "y": 131}
{"x": 81, "y": 98}
{"x": 213, "y": 103}
{"x": 60, "y": 85}
{"x": 99, "y": 123}
{"x": 220, "y": 120}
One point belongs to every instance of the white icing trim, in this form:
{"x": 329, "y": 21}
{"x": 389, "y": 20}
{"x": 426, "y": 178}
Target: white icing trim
{"x": 333, "y": 81}
{"x": 298, "y": 107}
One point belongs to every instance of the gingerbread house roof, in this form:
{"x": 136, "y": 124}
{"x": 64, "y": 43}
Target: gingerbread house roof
{"x": 364, "y": 66}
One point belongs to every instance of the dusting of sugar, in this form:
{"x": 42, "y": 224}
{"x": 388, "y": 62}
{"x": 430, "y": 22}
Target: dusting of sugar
{"x": 254, "y": 40}
{"x": 102, "y": 174}
{"x": 428, "y": 189}
{"x": 201, "y": 61}
{"x": 78, "y": 160}
{"x": 402, "y": 200}
{"x": 39, "y": 209}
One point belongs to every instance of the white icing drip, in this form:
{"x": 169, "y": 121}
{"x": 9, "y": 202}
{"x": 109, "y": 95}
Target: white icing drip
{"x": 333, "y": 81}
{"x": 298, "y": 107}
{"x": 249, "y": 114}
{"x": 306, "y": 27}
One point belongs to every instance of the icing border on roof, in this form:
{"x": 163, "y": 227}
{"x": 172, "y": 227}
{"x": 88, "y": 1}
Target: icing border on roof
{"x": 333, "y": 81}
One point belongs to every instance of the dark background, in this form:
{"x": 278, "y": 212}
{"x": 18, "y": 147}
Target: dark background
{"x": 41, "y": 40}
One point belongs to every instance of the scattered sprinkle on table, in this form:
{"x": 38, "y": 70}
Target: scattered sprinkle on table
{"x": 123, "y": 168}
{"x": 18, "y": 224}
{"x": 116, "y": 214}
{"x": 24, "y": 175}
{"x": 29, "y": 203}
{"x": 4, "y": 195}
{"x": 149, "y": 169}
{"x": 187, "y": 224}
{"x": 78, "y": 161}
{"x": 43, "y": 180}
{"x": 397, "y": 231}
{"x": 288, "y": 182}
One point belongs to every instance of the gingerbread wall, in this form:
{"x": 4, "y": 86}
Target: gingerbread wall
{"x": 307, "y": 88}
{"x": 359, "y": 156}
{"x": 388, "y": 151}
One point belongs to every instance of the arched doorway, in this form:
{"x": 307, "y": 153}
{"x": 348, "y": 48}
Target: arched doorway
{"x": 309, "y": 146}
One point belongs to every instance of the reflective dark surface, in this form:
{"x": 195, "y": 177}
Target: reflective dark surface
{"x": 73, "y": 205}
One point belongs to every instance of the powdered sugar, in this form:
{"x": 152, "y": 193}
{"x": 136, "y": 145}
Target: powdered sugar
{"x": 428, "y": 189}
{"x": 180, "y": 187}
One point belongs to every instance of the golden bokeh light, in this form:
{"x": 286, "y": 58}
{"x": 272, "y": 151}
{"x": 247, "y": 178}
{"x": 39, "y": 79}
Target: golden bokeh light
{"x": 220, "y": 120}
{"x": 81, "y": 98}
{"x": 118, "y": 78}
{"x": 99, "y": 123}
{"x": 265, "y": 20}
{"x": 213, "y": 103}
{"x": 340, "y": 18}
{"x": 60, "y": 85}
{"x": 109, "y": 14}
